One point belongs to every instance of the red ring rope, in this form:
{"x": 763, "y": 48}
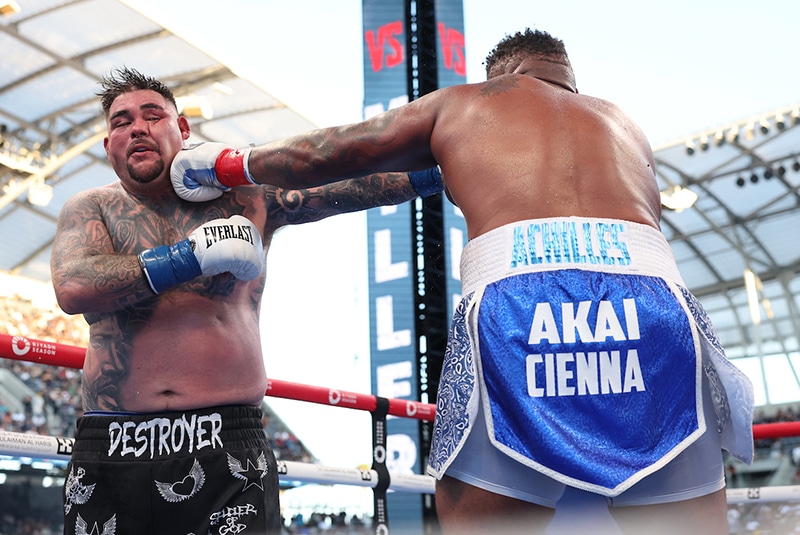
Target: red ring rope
{"x": 54, "y": 354}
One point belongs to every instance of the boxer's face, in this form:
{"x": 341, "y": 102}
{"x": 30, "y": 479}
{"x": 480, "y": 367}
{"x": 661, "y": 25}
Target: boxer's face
{"x": 144, "y": 134}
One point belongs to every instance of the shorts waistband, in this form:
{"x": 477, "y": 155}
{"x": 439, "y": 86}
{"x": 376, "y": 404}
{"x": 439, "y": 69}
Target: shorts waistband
{"x": 148, "y": 436}
{"x": 607, "y": 245}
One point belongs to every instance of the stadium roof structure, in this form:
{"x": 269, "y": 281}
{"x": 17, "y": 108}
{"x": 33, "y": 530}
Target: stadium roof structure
{"x": 51, "y": 125}
{"x": 737, "y": 245}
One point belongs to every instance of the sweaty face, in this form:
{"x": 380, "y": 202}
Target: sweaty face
{"x": 144, "y": 134}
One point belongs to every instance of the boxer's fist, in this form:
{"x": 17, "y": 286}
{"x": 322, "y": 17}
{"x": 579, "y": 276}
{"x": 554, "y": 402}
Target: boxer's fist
{"x": 201, "y": 172}
{"x": 222, "y": 245}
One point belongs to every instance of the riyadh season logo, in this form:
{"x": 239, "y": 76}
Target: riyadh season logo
{"x": 337, "y": 397}
{"x": 20, "y": 345}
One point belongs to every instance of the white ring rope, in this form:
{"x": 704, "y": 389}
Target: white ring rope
{"x": 785, "y": 493}
{"x": 60, "y": 448}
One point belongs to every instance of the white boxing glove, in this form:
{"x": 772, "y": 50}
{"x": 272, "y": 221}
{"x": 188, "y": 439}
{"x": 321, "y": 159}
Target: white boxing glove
{"x": 201, "y": 172}
{"x": 223, "y": 245}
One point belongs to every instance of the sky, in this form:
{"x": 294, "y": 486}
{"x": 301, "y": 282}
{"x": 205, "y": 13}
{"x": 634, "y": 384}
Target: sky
{"x": 676, "y": 67}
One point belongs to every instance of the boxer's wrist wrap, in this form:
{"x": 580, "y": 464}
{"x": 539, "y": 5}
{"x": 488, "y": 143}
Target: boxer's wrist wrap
{"x": 169, "y": 265}
{"x": 427, "y": 182}
{"x": 231, "y": 168}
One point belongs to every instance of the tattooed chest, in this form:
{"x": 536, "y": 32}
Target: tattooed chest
{"x": 143, "y": 228}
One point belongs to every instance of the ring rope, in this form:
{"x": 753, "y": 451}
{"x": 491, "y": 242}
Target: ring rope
{"x": 48, "y": 447}
{"x": 778, "y": 493}
{"x": 67, "y": 356}
{"x": 55, "y": 354}
{"x": 60, "y": 448}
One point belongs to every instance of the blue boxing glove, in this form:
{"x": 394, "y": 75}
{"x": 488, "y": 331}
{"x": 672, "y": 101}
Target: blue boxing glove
{"x": 427, "y": 182}
{"x": 202, "y": 172}
{"x": 223, "y": 245}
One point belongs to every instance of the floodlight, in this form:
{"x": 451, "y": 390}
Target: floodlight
{"x": 39, "y": 193}
{"x": 751, "y": 283}
{"x": 678, "y": 198}
{"x": 8, "y": 8}
{"x": 750, "y": 131}
{"x": 195, "y": 107}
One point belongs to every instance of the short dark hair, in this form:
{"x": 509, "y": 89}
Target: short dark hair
{"x": 528, "y": 43}
{"x": 125, "y": 80}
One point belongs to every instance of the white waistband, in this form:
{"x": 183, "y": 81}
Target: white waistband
{"x": 607, "y": 245}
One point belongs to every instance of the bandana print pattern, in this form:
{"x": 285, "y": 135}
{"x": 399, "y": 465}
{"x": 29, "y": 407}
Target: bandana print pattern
{"x": 722, "y": 407}
{"x": 456, "y": 388}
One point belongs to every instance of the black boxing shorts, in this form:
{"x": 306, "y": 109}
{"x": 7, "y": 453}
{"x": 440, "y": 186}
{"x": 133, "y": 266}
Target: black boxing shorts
{"x": 202, "y": 471}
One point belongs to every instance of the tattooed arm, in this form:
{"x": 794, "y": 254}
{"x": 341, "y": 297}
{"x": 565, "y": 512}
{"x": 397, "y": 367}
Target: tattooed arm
{"x": 87, "y": 274}
{"x": 400, "y": 139}
{"x": 295, "y": 206}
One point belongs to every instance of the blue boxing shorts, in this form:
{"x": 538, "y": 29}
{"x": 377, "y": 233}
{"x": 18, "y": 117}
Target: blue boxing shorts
{"x": 577, "y": 358}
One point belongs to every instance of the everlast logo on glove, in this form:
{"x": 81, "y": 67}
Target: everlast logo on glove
{"x": 231, "y": 245}
{"x": 216, "y": 233}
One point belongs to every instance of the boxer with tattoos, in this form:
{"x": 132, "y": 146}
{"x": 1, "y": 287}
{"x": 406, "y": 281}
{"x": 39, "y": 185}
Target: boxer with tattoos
{"x": 171, "y": 440}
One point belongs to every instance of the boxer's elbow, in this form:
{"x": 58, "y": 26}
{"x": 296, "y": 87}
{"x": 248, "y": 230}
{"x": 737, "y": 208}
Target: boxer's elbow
{"x": 70, "y": 298}
{"x": 74, "y": 294}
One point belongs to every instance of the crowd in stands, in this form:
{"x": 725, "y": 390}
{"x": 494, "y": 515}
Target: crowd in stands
{"x": 329, "y": 524}
{"x": 764, "y": 518}
{"x": 12, "y": 525}
{"x": 55, "y": 403}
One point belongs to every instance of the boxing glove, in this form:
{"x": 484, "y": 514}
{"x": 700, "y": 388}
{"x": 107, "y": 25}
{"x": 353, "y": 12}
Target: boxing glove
{"x": 222, "y": 245}
{"x": 427, "y": 182}
{"x": 203, "y": 171}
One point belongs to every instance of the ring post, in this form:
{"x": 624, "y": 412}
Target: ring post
{"x": 381, "y": 515}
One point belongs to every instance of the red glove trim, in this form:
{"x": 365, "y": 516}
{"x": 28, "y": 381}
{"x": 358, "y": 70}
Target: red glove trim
{"x": 229, "y": 168}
